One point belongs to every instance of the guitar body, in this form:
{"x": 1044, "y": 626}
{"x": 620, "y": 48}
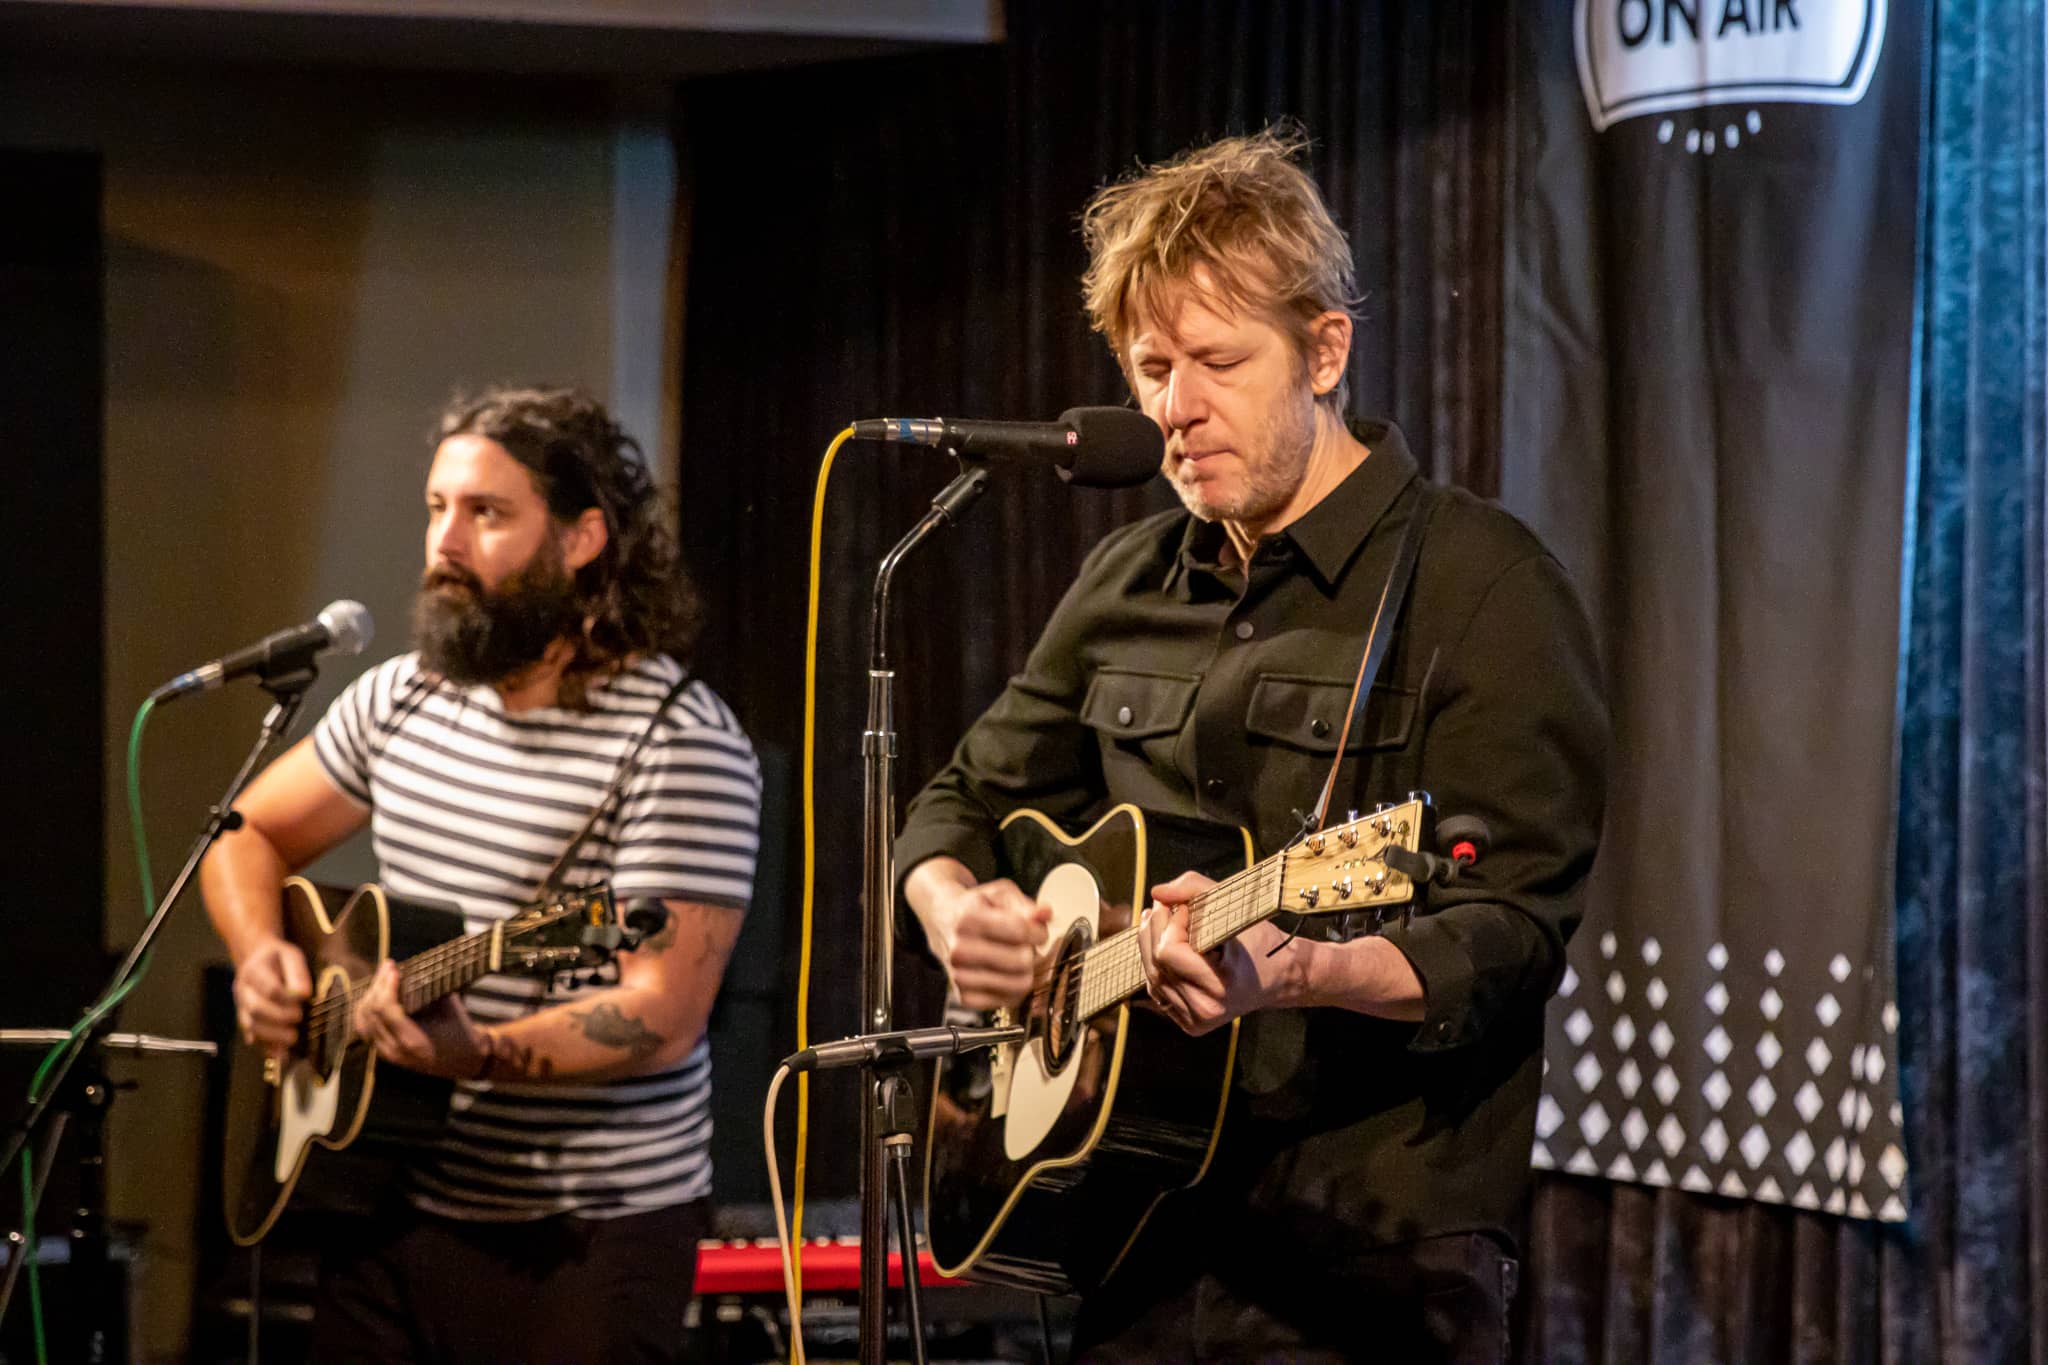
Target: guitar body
{"x": 277, "y": 1112}
{"x": 1045, "y": 1158}
{"x": 321, "y": 1094}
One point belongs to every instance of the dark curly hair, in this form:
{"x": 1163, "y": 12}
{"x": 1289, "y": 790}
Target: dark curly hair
{"x": 635, "y": 597}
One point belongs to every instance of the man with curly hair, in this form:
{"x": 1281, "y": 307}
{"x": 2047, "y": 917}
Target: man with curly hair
{"x": 1368, "y": 1191}
{"x": 556, "y": 1214}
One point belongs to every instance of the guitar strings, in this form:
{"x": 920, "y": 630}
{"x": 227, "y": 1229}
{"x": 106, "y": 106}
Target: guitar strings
{"x": 425, "y": 965}
{"x": 1114, "y": 968}
{"x": 1122, "y": 964}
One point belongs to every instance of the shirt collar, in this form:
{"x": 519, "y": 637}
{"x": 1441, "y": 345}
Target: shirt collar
{"x": 1329, "y": 533}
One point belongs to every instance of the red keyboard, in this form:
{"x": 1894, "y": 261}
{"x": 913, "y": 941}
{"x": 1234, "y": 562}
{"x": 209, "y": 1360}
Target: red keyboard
{"x": 831, "y": 1267}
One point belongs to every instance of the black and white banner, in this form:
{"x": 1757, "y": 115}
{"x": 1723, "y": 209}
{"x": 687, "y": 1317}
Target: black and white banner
{"x": 1711, "y": 232}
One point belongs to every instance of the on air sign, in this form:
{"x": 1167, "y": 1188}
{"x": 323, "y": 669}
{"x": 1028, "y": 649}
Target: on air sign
{"x": 1646, "y": 56}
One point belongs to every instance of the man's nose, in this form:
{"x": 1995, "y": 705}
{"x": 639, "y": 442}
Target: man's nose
{"x": 1186, "y": 400}
{"x": 446, "y": 543}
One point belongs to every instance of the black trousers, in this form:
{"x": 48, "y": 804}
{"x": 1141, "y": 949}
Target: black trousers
{"x": 408, "y": 1287}
{"x": 1436, "y": 1301}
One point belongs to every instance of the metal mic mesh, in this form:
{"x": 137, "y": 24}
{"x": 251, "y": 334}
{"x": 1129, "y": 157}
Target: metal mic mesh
{"x": 349, "y": 628}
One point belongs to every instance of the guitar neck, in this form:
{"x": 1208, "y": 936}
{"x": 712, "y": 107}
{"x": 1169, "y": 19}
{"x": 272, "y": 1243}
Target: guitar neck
{"x": 445, "y": 969}
{"x": 1114, "y": 969}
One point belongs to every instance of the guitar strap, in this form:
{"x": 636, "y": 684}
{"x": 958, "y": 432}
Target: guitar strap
{"x": 552, "y": 882}
{"x": 1377, "y": 637}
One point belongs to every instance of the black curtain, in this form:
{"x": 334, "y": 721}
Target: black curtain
{"x": 900, "y": 237}
{"x": 51, "y": 543}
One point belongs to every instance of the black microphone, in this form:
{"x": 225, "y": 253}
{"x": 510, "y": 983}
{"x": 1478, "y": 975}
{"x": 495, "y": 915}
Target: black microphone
{"x": 1465, "y": 839}
{"x": 1092, "y": 447}
{"x": 342, "y": 627}
{"x": 903, "y": 1045}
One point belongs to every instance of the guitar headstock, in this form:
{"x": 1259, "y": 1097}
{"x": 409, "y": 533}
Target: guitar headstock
{"x": 1344, "y": 866}
{"x": 574, "y": 931}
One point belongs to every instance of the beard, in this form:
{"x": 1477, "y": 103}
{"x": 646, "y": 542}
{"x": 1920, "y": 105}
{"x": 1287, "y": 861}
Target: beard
{"x": 470, "y": 635}
{"x": 1274, "y": 464}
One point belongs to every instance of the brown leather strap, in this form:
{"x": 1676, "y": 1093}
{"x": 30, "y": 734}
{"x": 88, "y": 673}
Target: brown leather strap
{"x": 1377, "y": 637}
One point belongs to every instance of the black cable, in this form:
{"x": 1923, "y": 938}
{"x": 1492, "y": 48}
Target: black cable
{"x": 256, "y": 1304}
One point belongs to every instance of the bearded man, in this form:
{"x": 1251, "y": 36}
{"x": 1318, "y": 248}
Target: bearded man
{"x": 1367, "y": 1195}
{"x": 557, "y": 1215}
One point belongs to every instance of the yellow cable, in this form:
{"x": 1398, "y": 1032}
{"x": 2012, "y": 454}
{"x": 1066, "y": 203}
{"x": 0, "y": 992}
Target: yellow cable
{"x": 810, "y": 843}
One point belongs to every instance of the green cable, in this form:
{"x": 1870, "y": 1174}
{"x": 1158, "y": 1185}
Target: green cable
{"x": 84, "y": 1026}
{"x": 28, "y": 1257}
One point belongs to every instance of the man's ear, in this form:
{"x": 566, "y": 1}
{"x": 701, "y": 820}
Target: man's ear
{"x": 584, "y": 539}
{"x": 1329, "y": 350}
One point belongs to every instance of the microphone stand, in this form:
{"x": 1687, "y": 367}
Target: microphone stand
{"x": 287, "y": 686}
{"x": 883, "y": 1131}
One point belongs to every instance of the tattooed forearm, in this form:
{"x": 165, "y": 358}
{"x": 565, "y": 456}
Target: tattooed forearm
{"x": 512, "y": 1060}
{"x": 611, "y": 1026}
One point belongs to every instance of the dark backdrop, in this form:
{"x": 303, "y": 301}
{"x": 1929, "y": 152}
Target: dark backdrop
{"x": 50, "y": 557}
{"x": 901, "y": 238}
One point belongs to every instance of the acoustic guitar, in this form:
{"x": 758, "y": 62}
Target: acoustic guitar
{"x": 1045, "y": 1158}
{"x": 319, "y": 1095}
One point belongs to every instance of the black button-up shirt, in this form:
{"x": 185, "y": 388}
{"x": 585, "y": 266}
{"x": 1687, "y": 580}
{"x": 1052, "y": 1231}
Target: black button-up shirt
{"x": 1171, "y": 678}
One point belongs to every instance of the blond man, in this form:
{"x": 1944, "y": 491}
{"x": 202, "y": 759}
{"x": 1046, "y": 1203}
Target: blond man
{"x": 1369, "y": 1191}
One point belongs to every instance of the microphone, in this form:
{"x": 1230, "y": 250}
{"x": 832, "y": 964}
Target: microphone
{"x": 904, "y": 1045}
{"x": 342, "y": 627}
{"x": 1092, "y": 447}
{"x": 1465, "y": 839}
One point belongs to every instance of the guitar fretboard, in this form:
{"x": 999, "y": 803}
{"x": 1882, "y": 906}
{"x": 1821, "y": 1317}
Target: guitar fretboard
{"x": 1114, "y": 970}
{"x": 422, "y": 979}
{"x": 426, "y": 977}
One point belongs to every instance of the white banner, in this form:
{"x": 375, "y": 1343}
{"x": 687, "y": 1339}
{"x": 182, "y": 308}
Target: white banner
{"x": 1646, "y": 56}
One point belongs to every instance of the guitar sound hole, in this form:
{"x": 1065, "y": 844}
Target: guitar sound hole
{"x": 1063, "y": 1003}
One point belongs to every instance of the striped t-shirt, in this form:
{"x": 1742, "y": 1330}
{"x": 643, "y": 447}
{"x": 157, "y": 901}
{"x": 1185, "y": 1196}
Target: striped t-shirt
{"x": 471, "y": 806}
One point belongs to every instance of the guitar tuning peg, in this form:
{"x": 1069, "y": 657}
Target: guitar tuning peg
{"x": 1352, "y": 817}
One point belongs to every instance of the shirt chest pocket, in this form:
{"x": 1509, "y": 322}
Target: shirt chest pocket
{"x": 1308, "y": 714}
{"x": 1139, "y": 713}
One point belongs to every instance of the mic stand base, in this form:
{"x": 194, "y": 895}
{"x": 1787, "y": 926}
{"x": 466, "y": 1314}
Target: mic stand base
{"x": 895, "y": 1123}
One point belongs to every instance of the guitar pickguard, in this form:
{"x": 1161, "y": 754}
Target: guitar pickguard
{"x": 1037, "y": 1093}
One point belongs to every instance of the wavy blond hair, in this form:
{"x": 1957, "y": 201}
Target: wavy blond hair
{"x": 1244, "y": 211}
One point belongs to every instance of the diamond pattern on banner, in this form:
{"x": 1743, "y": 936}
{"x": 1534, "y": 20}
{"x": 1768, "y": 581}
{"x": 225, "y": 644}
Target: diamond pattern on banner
{"x": 1661, "y": 1039}
{"x": 1808, "y": 1101}
{"x": 1799, "y": 1152}
{"x": 1767, "y": 1073}
{"x": 1579, "y": 1027}
{"x": 1666, "y": 1084}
